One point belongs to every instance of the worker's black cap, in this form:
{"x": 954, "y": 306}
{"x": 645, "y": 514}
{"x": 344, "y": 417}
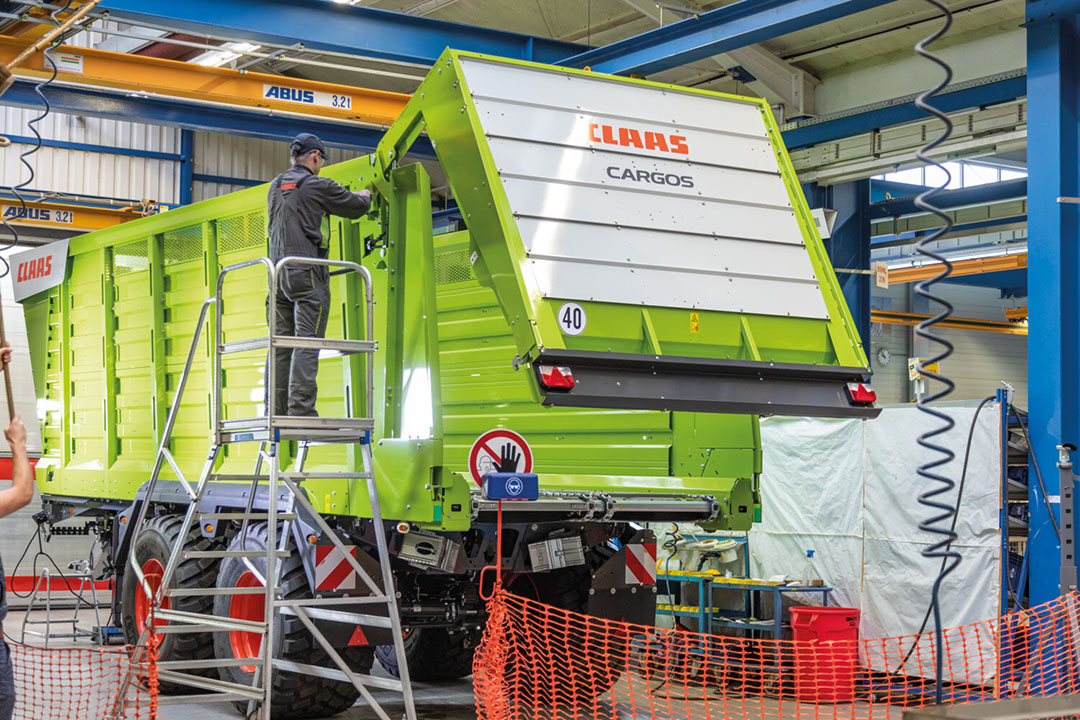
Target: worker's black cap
{"x": 304, "y": 143}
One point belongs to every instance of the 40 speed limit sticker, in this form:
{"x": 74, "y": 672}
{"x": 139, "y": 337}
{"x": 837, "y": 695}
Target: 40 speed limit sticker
{"x": 572, "y": 318}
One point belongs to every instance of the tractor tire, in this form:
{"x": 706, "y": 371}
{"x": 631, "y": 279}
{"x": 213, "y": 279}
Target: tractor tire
{"x": 295, "y": 696}
{"x": 433, "y": 654}
{"x": 155, "y": 543}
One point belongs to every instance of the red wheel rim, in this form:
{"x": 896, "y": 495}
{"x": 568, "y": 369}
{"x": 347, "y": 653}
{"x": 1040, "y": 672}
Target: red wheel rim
{"x": 153, "y": 571}
{"x": 247, "y": 607}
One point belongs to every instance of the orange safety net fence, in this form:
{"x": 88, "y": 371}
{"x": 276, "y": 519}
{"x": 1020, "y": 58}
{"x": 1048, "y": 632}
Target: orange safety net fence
{"x": 116, "y": 683}
{"x": 537, "y": 662}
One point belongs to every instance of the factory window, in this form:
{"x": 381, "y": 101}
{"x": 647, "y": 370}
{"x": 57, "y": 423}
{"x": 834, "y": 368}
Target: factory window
{"x": 961, "y": 174}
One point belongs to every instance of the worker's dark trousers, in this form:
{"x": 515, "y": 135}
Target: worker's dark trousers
{"x": 7, "y": 682}
{"x": 303, "y": 306}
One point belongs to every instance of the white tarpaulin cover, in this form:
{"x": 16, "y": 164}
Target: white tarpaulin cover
{"x": 847, "y": 489}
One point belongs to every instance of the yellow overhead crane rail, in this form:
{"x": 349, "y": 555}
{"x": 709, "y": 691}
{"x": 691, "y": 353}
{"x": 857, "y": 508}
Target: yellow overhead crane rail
{"x": 175, "y": 79}
{"x": 957, "y": 323}
{"x": 70, "y": 216}
{"x": 974, "y": 266}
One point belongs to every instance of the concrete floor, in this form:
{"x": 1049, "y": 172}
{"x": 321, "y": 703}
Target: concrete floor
{"x": 455, "y": 700}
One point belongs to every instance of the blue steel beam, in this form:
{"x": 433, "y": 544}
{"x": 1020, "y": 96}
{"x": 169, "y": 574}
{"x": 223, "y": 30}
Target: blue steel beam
{"x": 728, "y": 28}
{"x": 329, "y": 26}
{"x": 982, "y": 226}
{"x": 1040, "y": 11}
{"x": 187, "y": 166}
{"x": 1053, "y": 62}
{"x": 814, "y": 132}
{"x": 849, "y": 244}
{"x": 959, "y": 197}
{"x": 225, "y": 180}
{"x": 89, "y": 147}
{"x": 192, "y": 116}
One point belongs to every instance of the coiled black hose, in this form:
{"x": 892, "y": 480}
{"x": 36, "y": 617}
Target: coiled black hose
{"x": 939, "y": 497}
{"x": 22, "y": 211}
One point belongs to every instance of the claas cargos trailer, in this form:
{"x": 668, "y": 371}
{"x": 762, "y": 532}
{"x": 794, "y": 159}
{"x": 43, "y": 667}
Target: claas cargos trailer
{"x": 638, "y": 278}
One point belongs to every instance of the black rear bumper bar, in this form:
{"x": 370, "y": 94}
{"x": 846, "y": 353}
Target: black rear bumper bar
{"x": 659, "y": 382}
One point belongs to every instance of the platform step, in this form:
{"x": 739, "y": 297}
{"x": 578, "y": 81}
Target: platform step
{"x": 200, "y": 698}
{"x": 336, "y": 674}
{"x": 204, "y": 664}
{"x": 205, "y": 592}
{"x": 203, "y": 620}
{"x": 341, "y": 616}
{"x": 344, "y": 347}
{"x": 231, "y": 553}
{"x": 245, "y": 691}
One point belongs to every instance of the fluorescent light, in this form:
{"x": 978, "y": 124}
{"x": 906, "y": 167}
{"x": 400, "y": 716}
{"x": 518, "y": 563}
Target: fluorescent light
{"x": 217, "y": 58}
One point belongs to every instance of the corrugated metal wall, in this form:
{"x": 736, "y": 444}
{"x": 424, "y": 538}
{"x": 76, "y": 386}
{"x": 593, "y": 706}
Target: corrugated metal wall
{"x": 981, "y": 359}
{"x": 246, "y": 158}
{"x": 79, "y": 172}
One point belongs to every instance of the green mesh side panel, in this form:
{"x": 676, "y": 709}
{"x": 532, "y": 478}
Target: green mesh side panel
{"x": 183, "y": 245}
{"x": 242, "y": 232}
{"x": 453, "y": 267}
{"x": 131, "y": 258}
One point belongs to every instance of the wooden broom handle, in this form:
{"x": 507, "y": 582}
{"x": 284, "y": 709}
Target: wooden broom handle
{"x": 7, "y": 367}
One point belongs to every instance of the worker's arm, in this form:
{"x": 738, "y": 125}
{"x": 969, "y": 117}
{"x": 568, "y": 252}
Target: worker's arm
{"x": 21, "y": 491}
{"x": 340, "y": 201}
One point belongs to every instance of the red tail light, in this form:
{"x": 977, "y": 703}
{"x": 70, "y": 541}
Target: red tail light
{"x": 861, "y": 393}
{"x": 555, "y": 377}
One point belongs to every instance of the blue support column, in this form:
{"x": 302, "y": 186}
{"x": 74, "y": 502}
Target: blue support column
{"x": 187, "y": 166}
{"x": 1053, "y": 269}
{"x": 849, "y": 246}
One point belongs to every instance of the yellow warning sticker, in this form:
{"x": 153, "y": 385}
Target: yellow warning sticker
{"x": 695, "y": 323}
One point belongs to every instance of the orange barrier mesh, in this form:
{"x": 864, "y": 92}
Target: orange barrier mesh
{"x": 83, "y": 684}
{"x": 538, "y": 662}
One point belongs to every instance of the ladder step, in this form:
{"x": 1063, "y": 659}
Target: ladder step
{"x": 244, "y": 516}
{"x": 336, "y": 674}
{"x": 213, "y": 621}
{"x": 344, "y": 347}
{"x": 351, "y": 618}
{"x": 200, "y": 698}
{"x": 204, "y": 592}
{"x": 206, "y": 683}
{"x": 295, "y": 422}
{"x": 203, "y": 664}
{"x": 182, "y": 629}
{"x": 231, "y": 553}
{"x": 322, "y": 602}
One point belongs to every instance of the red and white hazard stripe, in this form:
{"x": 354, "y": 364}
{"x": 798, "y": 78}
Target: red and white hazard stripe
{"x": 333, "y": 571}
{"x": 641, "y": 564}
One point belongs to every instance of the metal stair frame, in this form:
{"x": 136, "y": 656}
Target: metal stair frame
{"x": 270, "y": 434}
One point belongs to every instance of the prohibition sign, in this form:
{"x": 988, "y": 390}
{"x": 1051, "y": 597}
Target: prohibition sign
{"x": 496, "y": 447}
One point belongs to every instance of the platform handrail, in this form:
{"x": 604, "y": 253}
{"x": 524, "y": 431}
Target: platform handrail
{"x": 163, "y": 449}
{"x": 273, "y": 270}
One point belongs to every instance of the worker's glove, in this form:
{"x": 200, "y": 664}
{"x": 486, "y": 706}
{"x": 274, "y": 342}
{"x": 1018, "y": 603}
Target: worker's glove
{"x": 365, "y": 193}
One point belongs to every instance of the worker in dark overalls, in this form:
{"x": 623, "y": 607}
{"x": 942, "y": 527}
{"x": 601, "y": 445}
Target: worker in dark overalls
{"x": 299, "y": 207}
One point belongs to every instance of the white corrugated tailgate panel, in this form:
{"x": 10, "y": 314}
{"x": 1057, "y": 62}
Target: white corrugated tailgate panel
{"x": 642, "y": 196}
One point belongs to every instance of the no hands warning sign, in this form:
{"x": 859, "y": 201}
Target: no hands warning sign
{"x": 499, "y": 451}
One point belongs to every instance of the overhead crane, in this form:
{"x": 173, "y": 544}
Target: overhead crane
{"x": 148, "y": 76}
